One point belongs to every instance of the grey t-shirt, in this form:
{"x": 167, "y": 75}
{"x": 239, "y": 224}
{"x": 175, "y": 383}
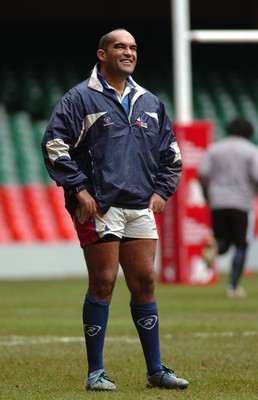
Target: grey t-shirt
{"x": 229, "y": 173}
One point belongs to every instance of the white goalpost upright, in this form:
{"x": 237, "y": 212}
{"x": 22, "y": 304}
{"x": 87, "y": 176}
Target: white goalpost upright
{"x": 182, "y": 36}
{"x": 180, "y": 21}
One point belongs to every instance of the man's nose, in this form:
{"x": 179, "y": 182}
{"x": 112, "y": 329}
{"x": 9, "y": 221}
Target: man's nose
{"x": 128, "y": 50}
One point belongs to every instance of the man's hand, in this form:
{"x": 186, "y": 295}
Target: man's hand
{"x": 88, "y": 206}
{"x": 156, "y": 204}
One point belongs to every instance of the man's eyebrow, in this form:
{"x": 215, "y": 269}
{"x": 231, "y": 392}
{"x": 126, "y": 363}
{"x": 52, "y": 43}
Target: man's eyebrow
{"x": 116, "y": 44}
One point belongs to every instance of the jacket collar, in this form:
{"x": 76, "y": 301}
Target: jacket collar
{"x": 95, "y": 83}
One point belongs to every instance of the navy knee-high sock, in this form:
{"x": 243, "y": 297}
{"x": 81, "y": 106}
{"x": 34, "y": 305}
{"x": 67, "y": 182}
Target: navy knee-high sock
{"x": 145, "y": 317}
{"x": 95, "y": 317}
{"x": 238, "y": 265}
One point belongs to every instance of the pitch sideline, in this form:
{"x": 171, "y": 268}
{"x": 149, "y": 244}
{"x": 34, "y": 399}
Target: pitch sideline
{"x": 27, "y": 340}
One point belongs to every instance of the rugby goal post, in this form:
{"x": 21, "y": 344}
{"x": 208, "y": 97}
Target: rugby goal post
{"x": 185, "y": 225}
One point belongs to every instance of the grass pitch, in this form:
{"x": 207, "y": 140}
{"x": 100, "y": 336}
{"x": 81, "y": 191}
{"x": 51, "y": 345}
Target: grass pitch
{"x": 210, "y": 340}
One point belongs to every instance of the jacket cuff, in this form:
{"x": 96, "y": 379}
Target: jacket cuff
{"x": 78, "y": 189}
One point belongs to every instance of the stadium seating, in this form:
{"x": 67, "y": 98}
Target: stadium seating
{"x": 34, "y": 213}
{"x": 31, "y": 206}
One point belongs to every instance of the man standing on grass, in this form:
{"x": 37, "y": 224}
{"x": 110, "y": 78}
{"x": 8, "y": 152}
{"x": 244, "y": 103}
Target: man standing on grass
{"x": 111, "y": 146}
{"x": 229, "y": 177}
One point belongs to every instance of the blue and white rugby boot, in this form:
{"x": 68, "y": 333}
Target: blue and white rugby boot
{"x": 98, "y": 380}
{"x": 166, "y": 378}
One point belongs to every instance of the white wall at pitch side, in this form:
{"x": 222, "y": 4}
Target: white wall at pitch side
{"x": 36, "y": 261}
{"x": 65, "y": 259}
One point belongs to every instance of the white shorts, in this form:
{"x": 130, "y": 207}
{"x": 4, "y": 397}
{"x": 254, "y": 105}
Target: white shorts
{"x": 121, "y": 222}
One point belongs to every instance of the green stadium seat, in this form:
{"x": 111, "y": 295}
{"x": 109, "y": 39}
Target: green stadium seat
{"x": 27, "y": 150}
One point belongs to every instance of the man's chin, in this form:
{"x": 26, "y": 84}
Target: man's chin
{"x": 128, "y": 70}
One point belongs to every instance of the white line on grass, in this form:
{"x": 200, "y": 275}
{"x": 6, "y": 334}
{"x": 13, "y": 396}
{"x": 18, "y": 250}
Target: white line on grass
{"x": 29, "y": 340}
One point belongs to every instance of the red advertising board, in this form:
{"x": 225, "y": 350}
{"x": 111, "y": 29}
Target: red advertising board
{"x": 185, "y": 224}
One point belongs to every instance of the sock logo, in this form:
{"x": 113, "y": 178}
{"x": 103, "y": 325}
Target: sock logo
{"x": 92, "y": 330}
{"x": 148, "y": 322}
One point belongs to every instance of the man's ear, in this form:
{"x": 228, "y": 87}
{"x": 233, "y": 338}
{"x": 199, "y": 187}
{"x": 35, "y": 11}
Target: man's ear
{"x": 101, "y": 54}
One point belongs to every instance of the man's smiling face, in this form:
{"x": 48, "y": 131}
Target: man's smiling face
{"x": 120, "y": 57}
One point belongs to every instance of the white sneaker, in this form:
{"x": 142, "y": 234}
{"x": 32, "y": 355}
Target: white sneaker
{"x": 98, "y": 380}
{"x": 238, "y": 292}
{"x": 167, "y": 379}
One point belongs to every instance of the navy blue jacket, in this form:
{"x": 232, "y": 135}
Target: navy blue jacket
{"x": 90, "y": 142}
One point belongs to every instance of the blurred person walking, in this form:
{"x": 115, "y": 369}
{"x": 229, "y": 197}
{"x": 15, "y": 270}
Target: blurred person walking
{"x": 110, "y": 145}
{"x": 228, "y": 175}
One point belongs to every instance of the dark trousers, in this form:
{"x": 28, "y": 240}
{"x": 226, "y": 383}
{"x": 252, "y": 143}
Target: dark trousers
{"x": 230, "y": 228}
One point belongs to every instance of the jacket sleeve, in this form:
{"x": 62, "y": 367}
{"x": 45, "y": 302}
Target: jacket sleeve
{"x": 59, "y": 142}
{"x": 170, "y": 165}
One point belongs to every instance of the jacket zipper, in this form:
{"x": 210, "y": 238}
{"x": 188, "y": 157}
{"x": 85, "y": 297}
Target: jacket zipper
{"x": 93, "y": 175}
